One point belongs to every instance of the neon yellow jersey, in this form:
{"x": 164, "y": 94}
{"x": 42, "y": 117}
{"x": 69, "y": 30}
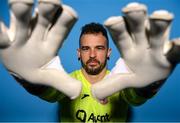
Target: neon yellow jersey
{"x": 87, "y": 109}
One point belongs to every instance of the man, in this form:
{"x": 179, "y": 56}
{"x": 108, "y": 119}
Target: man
{"x": 93, "y": 53}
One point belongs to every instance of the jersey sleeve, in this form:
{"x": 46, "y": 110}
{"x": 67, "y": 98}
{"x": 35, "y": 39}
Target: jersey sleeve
{"x": 131, "y": 97}
{"x": 51, "y": 95}
{"x": 46, "y": 93}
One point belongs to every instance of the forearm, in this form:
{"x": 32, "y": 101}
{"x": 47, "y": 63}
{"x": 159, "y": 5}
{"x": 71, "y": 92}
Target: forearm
{"x": 138, "y": 96}
{"x": 150, "y": 90}
{"x": 44, "y": 92}
{"x": 131, "y": 97}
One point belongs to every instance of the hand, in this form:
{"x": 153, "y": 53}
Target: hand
{"x": 145, "y": 47}
{"x": 27, "y": 47}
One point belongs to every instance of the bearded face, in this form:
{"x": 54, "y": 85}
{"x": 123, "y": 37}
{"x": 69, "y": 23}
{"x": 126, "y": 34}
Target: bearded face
{"x": 93, "y": 66}
{"x": 93, "y": 53}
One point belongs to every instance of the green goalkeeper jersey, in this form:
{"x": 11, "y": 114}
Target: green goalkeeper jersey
{"x": 85, "y": 108}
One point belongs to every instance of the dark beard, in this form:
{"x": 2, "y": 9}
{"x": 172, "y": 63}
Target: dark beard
{"x": 93, "y": 71}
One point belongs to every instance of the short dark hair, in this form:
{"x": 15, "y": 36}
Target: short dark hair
{"x": 93, "y": 28}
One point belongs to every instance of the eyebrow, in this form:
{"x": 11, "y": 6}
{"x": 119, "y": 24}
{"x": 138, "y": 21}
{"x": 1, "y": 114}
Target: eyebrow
{"x": 98, "y": 46}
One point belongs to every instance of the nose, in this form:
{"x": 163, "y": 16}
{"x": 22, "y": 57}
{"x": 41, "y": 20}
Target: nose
{"x": 92, "y": 53}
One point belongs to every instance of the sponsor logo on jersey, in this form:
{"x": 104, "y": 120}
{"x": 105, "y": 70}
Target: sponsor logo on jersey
{"x": 81, "y": 115}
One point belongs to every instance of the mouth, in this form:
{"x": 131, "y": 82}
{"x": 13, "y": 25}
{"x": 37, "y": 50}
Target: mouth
{"x": 93, "y": 63}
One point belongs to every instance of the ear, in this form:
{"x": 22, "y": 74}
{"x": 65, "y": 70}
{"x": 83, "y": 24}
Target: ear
{"x": 78, "y": 54}
{"x": 108, "y": 52}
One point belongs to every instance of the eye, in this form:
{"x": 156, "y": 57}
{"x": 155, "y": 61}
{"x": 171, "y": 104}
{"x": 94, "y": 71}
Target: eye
{"x": 84, "y": 48}
{"x": 100, "y": 47}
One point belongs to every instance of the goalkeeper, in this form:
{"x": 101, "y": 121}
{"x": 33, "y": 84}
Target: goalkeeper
{"x": 93, "y": 93}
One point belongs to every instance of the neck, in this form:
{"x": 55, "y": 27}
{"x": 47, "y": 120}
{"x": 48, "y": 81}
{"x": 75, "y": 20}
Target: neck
{"x": 94, "y": 78}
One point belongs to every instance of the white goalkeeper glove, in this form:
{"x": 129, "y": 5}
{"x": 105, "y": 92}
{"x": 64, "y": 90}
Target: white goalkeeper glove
{"x": 145, "y": 47}
{"x": 27, "y": 47}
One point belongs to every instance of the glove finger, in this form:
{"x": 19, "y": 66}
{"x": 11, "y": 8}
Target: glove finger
{"x": 135, "y": 16}
{"x": 61, "y": 28}
{"x": 24, "y": 1}
{"x": 46, "y": 12}
{"x": 56, "y": 2}
{"x": 172, "y": 51}
{"x": 159, "y": 28}
{"x": 22, "y": 11}
{"x": 4, "y": 39}
{"x": 119, "y": 34}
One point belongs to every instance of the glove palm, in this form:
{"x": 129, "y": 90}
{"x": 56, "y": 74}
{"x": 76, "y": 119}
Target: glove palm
{"x": 36, "y": 42}
{"x": 144, "y": 46}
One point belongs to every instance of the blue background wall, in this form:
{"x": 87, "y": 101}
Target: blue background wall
{"x": 18, "y": 105}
